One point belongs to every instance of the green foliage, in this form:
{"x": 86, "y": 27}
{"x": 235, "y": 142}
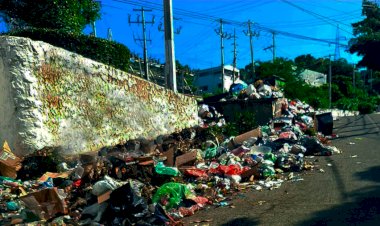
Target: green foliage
{"x": 67, "y": 15}
{"x": 281, "y": 67}
{"x": 367, "y": 36}
{"x": 366, "y": 108}
{"x": 347, "y": 104}
{"x": 101, "y": 50}
{"x": 246, "y": 121}
{"x": 217, "y": 92}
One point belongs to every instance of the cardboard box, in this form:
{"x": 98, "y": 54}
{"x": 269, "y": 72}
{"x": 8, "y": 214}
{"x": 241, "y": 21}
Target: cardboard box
{"x": 9, "y": 162}
{"x": 45, "y": 203}
{"x": 186, "y": 159}
{"x": 243, "y": 137}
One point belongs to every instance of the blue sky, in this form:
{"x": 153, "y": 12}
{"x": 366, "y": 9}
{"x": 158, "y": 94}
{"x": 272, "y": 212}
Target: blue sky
{"x": 199, "y": 46}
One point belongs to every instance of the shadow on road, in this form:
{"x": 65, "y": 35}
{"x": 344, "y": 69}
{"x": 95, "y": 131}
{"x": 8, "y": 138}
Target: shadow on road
{"x": 353, "y": 135}
{"x": 242, "y": 221}
{"x": 362, "y": 209}
{"x": 349, "y": 122}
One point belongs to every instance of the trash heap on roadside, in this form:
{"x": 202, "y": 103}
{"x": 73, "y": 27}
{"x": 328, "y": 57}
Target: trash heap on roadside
{"x": 158, "y": 182}
{"x": 257, "y": 90}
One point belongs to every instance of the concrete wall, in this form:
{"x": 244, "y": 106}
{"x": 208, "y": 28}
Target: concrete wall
{"x": 52, "y": 97}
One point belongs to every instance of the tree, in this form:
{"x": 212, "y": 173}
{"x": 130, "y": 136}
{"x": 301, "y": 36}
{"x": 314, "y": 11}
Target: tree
{"x": 367, "y": 40}
{"x": 305, "y": 61}
{"x": 281, "y": 67}
{"x": 67, "y": 15}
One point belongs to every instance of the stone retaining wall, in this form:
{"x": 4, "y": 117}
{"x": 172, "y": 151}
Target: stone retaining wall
{"x": 52, "y": 97}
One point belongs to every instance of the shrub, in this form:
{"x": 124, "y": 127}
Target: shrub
{"x": 98, "y": 49}
{"x": 366, "y": 108}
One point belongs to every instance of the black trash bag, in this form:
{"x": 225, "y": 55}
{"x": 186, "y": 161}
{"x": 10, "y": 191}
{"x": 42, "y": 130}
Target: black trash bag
{"x": 158, "y": 218}
{"x": 122, "y": 170}
{"x": 314, "y": 146}
{"x": 93, "y": 213}
{"x": 125, "y": 207}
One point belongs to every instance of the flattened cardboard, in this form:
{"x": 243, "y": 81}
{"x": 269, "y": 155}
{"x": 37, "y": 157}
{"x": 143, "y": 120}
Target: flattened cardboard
{"x": 169, "y": 154}
{"x": 44, "y": 203}
{"x": 186, "y": 158}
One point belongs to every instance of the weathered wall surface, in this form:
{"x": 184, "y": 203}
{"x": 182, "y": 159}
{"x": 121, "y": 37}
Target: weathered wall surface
{"x": 52, "y": 97}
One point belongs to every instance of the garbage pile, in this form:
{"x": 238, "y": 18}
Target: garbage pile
{"x": 255, "y": 91}
{"x": 157, "y": 182}
{"x": 209, "y": 116}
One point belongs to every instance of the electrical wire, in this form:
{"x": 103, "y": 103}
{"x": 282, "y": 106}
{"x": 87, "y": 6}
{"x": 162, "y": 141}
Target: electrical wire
{"x": 236, "y": 23}
{"x": 324, "y": 18}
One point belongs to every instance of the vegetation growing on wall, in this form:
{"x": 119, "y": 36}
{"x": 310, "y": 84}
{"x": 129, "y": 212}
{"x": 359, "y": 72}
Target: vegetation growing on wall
{"x": 98, "y": 49}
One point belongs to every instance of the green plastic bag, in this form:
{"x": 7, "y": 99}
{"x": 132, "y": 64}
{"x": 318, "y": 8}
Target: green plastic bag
{"x": 271, "y": 157}
{"x": 170, "y": 195}
{"x": 210, "y": 152}
{"x": 165, "y": 170}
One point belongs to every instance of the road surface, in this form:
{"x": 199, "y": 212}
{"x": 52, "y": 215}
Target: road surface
{"x": 347, "y": 193}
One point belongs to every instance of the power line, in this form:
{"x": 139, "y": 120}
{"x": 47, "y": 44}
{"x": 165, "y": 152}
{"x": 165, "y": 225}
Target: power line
{"x": 324, "y": 18}
{"x": 236, "y": 23}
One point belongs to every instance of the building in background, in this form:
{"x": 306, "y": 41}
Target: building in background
{"x": 313, "y": 78}
{"x": 210, "y": 80}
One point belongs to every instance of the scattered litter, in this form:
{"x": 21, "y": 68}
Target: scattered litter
{"x": 353, "y": 156}
{"x": 158, "y": 182}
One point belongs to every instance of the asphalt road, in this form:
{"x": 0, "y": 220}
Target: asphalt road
{"x": 347, "y": 193}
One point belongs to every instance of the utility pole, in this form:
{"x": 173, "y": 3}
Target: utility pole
{"x": 170, "y": 69}
{"x": 330, "y": 75}
{"x": 109, "y": 34}
{"x": 183, "y": 81}
{"x": 222, "y": 35}
{"x": 370, "y": 80}
{"x": 234, "y": 60}
{"x": 251, "y": 34}
{"x": 353, "y": 77}
{"x": 337, "y": 44}
{"x": 143, "y": 22}
{"x": 274, "y": 46}
{"x": 93, "y": 25}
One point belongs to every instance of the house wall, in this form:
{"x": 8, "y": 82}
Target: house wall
{"x": 52, "y": 97}
{"x": 212, "y": 78}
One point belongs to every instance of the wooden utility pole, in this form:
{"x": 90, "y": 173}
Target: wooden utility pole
{"x": 222, "y": 35}
{"x": 251, "y": 34}
{"x": 93, "y": 25}
{"x": 274, "y": 46}
{"x": 109, "y": 34}
{"x": 330, "y": 75}
{"x": 353, "y": 77}
{"x": 170, "y": 67}
{"x": 235, "y": 56}
{"x": 143, "y": 22}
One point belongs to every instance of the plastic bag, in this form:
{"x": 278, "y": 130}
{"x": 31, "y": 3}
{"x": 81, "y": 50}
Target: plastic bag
{"x": 165, "y": 170}
{"x": 170, "y": 195}
{"x": 124, "y": 203}
{"x": 196, "y": 173}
